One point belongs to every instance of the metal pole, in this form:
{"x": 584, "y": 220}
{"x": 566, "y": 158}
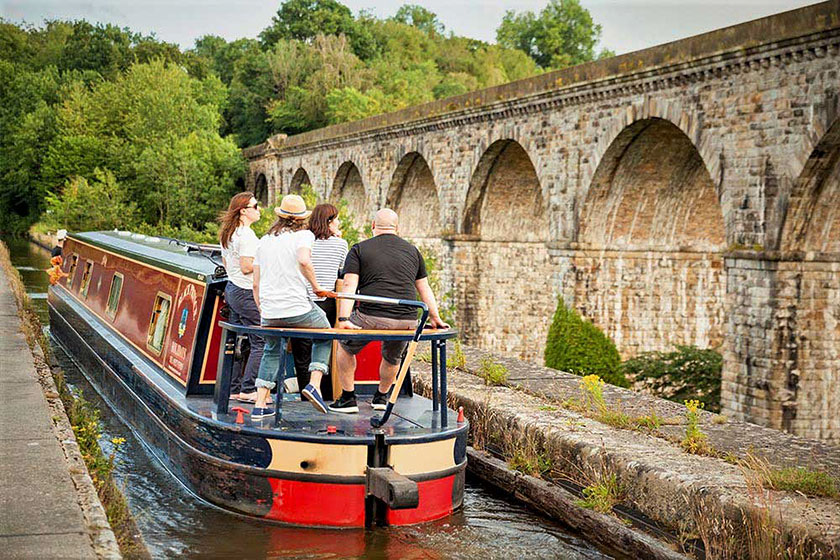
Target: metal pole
{"x": 444, "y": 408}
{"x": 221, "y": 394}
{"x": 281, "y": 378}
{"x": 435, "y": 344}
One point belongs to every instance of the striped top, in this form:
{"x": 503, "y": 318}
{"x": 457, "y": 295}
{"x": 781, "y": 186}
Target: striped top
{"x": 327, "y": 257}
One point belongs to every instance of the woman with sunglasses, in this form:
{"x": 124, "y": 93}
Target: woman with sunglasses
{"x": 239, "y": 246}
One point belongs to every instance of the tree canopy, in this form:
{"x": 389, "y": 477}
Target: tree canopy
{"x": 96, "y": 110}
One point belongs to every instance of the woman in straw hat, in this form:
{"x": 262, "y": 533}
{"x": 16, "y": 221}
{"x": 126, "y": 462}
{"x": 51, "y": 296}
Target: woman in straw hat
{"x": 282, "y": 268}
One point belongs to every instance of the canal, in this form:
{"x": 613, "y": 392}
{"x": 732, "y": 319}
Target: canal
{"x": 174, "y": 523}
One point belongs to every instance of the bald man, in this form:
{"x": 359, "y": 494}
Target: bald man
{"x": 385, "y": 265}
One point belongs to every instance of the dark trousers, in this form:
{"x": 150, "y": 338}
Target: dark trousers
{"x": 302, "y": 351}
{"x": 243, "y": 311}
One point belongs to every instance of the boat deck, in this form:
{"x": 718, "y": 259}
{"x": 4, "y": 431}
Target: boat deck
{"x": 412, "y": 417}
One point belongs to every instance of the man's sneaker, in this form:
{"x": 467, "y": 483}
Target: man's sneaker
{"x": 380, "y": 401}
{"x": 258, "y": 413}
{"x": 312, "y": 394}
{"x": 346, "y": 405}
{"x": 290, "y": 384}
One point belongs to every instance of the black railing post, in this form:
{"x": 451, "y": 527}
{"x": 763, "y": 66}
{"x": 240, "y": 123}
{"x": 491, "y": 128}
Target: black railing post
{"x": 443, "y": 406}
{"x": 224, "y": 371}
{"x": 281, "y": 379}
{"x": 434, "y": 344}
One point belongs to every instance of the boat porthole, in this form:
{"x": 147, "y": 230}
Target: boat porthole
{"x": 304, "y": 465}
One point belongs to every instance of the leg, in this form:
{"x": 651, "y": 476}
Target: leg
{"x": 266, "y": 379}
{"x": 236, "y": 319}
{"x": 346, "y": 363}
{"x": 387, "y": 375}
{"x": 302, "y": 352}
{"x": 250, "y": 315}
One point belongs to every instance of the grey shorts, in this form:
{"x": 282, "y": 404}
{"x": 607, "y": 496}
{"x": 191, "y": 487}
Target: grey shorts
{"x": 391, "y": 349}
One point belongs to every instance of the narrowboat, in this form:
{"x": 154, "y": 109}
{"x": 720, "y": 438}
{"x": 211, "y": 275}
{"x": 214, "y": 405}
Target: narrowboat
{"x": 144, "y": 318}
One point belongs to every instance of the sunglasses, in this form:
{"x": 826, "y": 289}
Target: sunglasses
{"x": 256, "y": 206}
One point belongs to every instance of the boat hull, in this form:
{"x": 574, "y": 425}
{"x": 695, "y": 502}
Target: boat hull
{"x": 290, "y": 477}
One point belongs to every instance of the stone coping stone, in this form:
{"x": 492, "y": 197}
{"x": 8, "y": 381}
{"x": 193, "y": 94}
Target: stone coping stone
{"x": 663, "y": 482}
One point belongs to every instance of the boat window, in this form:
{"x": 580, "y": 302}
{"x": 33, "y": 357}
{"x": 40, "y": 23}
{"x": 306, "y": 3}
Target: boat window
{"x": 114, "y": 295}
{"x": 74, "y": 260}
{"x": 159, "y": 321}
{"x": 86, "y": 278}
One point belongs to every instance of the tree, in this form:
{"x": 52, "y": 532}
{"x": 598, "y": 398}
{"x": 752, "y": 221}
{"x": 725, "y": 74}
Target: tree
{"x": 98, "y": 204}
{"x": 421, "y": 18}
{"x": 303, "y": 20}
{"x": 563, "y": 34}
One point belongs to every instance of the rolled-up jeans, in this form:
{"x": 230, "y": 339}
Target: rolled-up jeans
{"x": 274, "y": 345}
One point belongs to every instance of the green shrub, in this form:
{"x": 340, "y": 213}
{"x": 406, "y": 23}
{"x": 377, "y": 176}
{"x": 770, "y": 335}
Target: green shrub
{"x": 577, "y": 346}
{"x": 687, "y": 373}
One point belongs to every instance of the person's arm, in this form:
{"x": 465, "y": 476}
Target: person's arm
{"x": 427, "y": 296}
{"x": 345, "y": 306}
{"x": 304, "y": 258}
{"x": 257, "y": 288}
{"x": 246, "y": 265}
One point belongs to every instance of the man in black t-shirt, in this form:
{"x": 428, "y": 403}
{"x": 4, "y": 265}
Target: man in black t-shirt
{"x": 385, "y": 265}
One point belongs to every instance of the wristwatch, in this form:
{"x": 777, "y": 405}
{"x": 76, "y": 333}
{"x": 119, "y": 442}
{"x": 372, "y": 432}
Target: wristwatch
{"x": 344, "y": 318}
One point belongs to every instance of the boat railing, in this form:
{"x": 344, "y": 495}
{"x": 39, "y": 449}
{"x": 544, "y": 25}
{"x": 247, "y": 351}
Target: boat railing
{"x": 436, "y": 337}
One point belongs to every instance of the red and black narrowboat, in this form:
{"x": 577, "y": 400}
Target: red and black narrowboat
{"x": 142, "y": 315}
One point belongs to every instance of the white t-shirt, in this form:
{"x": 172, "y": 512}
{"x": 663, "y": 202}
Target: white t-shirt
{"x": 243, "y": 243}
{"x": 282, "y": 286}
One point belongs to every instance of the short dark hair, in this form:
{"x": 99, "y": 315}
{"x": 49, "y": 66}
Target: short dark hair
{"x": 319, "y": 221}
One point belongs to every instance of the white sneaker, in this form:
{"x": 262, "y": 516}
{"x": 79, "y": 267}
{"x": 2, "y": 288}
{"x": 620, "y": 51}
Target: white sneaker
{"x": 290, "y": 385}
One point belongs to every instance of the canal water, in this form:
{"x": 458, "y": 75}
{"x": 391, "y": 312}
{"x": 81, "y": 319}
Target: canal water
{"x": 175, "y": 524}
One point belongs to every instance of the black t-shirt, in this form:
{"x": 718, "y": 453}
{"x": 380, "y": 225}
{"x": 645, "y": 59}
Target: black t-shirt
{"x": 387, "y": 266}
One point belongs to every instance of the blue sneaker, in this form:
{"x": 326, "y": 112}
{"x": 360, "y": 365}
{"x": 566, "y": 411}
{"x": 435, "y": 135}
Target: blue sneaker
{"x": 258, "y": 413}
{"x": 312, "y": 394}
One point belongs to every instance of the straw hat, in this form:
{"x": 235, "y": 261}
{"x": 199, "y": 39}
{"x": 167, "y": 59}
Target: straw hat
{"x": 292, "y": 206}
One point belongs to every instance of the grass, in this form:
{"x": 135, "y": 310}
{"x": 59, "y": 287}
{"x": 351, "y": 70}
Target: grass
{"x": 602, "y": 495}
{"x": 492, "y": 372}
{"x": 809, "y": 482}
{"x": 84, "y": 420}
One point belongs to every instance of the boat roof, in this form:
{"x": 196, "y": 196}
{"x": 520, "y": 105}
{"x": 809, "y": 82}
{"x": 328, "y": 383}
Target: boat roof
{"x": 193, "y": 260}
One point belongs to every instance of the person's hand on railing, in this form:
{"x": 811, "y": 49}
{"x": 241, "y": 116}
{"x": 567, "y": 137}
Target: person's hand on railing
{"x": 349, "y": 325}
{"x": 437, "y": 323}
{"x": 324, "y": 293}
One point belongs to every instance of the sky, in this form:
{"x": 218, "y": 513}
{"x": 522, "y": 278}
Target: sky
{"x": 628, "y": 25}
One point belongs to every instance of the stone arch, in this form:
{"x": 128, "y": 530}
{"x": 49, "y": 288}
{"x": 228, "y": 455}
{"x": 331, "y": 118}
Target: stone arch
{"x": 301, "y": 177}
{"x": 505, "y": 199}
{"x": 413, "y": 195}
{"x": 502, "y": 271}
{"x": 649, "y": 266}
{"x": 261, "y": 189}
{"x": 348, "y": 186}
{"x": 806, "y": 323}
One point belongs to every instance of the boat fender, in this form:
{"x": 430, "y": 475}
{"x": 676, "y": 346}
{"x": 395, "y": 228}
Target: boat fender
{"x": 392, "y": 488}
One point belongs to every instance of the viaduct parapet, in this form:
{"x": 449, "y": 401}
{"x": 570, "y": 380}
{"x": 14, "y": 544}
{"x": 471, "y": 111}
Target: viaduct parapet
{"x": 684, "y": 194}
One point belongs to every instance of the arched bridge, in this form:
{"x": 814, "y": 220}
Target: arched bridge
{"x": 684, "y": 194}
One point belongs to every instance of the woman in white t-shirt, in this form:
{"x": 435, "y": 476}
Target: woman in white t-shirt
{"x": 328, "y": 253}
{"x": 282, "y": 269}
{"x": 239, "y": 247}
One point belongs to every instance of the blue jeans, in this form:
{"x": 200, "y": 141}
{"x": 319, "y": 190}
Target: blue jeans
{"x": 275, "y": 346}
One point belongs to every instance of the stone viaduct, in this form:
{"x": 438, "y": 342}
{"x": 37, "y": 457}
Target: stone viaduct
{"x": 684, "y": 194}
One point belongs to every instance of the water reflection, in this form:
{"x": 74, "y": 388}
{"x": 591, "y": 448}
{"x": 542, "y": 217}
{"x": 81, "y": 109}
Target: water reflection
{"x": 176, "y": 524}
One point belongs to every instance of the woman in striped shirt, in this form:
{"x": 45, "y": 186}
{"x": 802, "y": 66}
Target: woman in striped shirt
{"x": 328, "y": 253}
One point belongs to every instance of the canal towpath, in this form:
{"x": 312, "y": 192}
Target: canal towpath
{"x": 42, "y": 484}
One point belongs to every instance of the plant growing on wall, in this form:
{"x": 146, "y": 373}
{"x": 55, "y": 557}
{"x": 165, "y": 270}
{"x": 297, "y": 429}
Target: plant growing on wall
{"x": 577, "y": 346}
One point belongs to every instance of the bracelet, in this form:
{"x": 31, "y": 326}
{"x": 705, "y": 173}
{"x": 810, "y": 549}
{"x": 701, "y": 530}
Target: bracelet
{"x": 344, "y": 318}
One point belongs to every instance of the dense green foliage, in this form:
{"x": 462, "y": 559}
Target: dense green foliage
{"x": 686, "y": 373}
{"x": 101, "y": 111}
{"x": 577, "y": 346}
{"x": 563, "y": 34}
